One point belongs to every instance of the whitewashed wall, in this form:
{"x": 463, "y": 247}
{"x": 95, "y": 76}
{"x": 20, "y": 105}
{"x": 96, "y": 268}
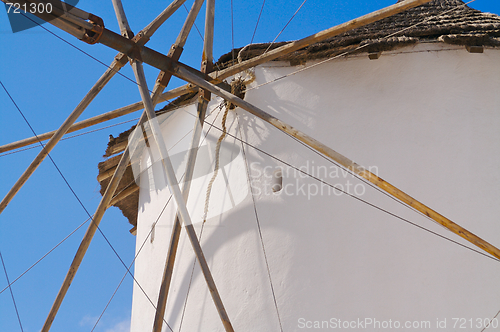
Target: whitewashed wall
{"x": 425, "y": 118}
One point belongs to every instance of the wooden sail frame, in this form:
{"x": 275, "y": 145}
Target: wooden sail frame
{"x": 197, "y": 78}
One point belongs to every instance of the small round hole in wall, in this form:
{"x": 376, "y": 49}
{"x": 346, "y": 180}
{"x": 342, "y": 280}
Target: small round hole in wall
{"x": 277, "y": 180}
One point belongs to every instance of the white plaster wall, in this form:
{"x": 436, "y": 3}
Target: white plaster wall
{"x": 425, "y": 118}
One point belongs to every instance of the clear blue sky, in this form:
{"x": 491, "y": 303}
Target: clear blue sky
{"x": 47, "y": 78}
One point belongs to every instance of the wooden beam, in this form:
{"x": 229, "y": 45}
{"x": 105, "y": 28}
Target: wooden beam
{"x": 82, "y": 249}
{"x": 118, "y": 63}
{"x": 176, "y": 193}
{"x": 325, "y": 34}
{"x": 203, "y": 101}
{"x": 344, "y": 161}
{"x": 174, "y": 93}
{"x": 218, "y": 76}
{"x": 124, "y": 194}
{"x": 56, "y": 137}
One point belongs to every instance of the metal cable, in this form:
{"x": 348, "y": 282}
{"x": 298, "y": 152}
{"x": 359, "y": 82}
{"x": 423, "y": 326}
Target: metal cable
{"x": 290, "y": 20}
{"x": 11, "y": 292}
{"x": 258, "y": 20}
{"x": 258, "y": 226}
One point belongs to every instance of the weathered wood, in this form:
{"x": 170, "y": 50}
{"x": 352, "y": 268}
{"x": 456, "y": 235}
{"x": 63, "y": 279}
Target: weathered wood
{"x": 176, "y": 192}
{"x": 124, "y": 194}
{"x": 209, "y": 32}
{"x": 176, "y": 230}
{"x": 344, "y": 161}
{"x": 122, "y": 19}
{"x": 108, "y": 172}
{"x": 82, "y": 249}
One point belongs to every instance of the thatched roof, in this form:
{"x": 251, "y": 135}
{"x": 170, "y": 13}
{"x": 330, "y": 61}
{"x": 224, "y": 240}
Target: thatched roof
{"x": 461, "y": 25}
{"x": 458, "y": 26}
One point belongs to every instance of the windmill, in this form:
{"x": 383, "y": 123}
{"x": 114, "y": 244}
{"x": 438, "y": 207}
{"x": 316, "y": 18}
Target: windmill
{"x": 91, "y": 29}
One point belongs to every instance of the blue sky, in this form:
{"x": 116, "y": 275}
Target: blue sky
{"x": 47, "y": 78}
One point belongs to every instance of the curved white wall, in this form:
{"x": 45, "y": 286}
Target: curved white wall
{"x": 425, "y": 118}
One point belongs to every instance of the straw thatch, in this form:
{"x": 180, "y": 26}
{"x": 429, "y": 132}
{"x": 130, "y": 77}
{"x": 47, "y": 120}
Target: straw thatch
{"x": 460, "y": 25}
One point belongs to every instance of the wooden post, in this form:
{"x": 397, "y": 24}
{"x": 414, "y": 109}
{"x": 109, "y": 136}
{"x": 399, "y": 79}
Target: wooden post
{"x": 203, "y": 101}
{"x": 174, "y": 189}
{"x": 167, "y": 165}
{"x": 82, "y": 249}
{"x": 344, "y": 161}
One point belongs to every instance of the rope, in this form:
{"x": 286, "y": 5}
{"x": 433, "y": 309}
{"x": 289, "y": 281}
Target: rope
{"x": 217, "y": 159}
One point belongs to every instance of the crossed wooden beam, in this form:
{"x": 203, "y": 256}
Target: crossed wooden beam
{"x": 90, "y": 28}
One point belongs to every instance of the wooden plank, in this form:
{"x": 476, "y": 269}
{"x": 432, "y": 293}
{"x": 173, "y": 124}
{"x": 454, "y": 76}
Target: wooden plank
{"x": 174, "y": 93}
{"x": 344, "y": 161}
{"x": 124, "y": 194}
